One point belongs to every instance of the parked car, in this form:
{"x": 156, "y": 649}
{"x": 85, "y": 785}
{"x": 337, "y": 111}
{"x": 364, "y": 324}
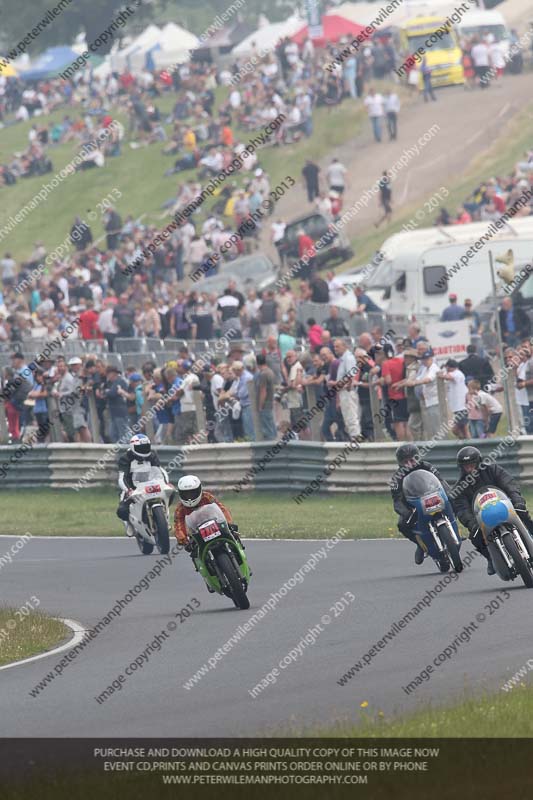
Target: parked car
{"x": 255, "y": 271}
{"x": 316, "y": 226}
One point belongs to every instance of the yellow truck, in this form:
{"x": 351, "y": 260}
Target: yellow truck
{"x": 437, "y": 40}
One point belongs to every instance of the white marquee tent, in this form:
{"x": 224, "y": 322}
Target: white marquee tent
{"x": 267, "y": 36}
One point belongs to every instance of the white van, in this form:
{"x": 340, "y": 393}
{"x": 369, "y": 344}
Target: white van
{"x": 416, "y": 271}
{"x": 481, "y": 23}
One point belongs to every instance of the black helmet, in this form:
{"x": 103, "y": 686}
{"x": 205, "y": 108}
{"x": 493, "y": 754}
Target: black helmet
{"x": 407, "y": 452}
{"x": 468, "y": 455}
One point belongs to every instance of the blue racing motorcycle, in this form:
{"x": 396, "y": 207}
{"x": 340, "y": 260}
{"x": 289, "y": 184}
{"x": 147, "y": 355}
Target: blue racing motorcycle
{"x": 507, "y": 538}
{"x": 436, "y": 528}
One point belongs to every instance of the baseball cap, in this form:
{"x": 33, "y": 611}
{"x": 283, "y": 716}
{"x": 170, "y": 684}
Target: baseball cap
{"x": 427, "y": 354}
{"x": 136, "y": 376}
{"x": 452, "y": 296}
{"x": 73, "y": 361}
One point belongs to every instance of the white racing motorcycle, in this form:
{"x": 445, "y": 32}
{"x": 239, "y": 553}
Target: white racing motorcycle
{"x": 149, "y": 508}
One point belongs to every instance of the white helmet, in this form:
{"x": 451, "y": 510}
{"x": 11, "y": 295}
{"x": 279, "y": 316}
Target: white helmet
{"x": 190, "y": 490}
{"x": 140, "y": 445}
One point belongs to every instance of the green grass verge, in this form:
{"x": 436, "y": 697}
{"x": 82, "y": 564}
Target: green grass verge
{"x": 259, "y": 514}
{"x": 275, "y": 515}
{"x": 502, "y": 715}
{"x": 25, "y": 636}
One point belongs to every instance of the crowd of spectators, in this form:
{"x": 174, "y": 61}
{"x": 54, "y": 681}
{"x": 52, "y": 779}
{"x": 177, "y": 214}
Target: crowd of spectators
{"x": 292, "y": 360}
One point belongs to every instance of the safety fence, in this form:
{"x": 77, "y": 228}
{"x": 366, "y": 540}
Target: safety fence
{"x": 269, "y": 466}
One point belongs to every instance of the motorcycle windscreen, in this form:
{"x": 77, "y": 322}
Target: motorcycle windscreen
{"x": 203, "y": 514}
{"x": 145, "y": 473}
{"x": 419, "y": 483}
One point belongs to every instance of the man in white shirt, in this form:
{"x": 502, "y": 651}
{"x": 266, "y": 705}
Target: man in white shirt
{"x": 348, "y": 399}
{"x": 427, "y": 378}
{"x": 335, "y": 286}
{"x": 480, "y": 56}
{"x": 497, "y": 59}
{"x": 374, "y": 107}
{"x": 336, "y": 175}
{"x": 392, "y": 109}
{"x": 456, "y": 394}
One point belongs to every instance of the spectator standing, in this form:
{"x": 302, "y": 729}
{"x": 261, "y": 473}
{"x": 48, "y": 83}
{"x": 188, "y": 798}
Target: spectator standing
{"x": 332, "y": 414}
{"x": 476, "y": 328}
{"x": 393, "y": 372}
{"x": 336, "y": 175}
{"x": 414, "y": 422}
{"x": 480, "y": 56}
{"x": 335, "y": 324}
{"x": 311, "y": 173}
{"x": 456, "y": 393}
{"x": 514, "y": 323}
{"x": 265, "y": 382}
{"x": 88, "y": 327}
{"x": 239, "y": 390}
{"x": 295, "y": 377}
{"x": 268, "y": 315}
{"x": 374, "y": 106}
{"x": 113, "y": 227}
{"x": 365, "y": 304}
{"x": 229, "y": 307}
{"x": 476, "y": 424}
{"x": 392, "y": 109}
{"x": 453, "y": 312}
{"x": 347, "y": 392}
{"x": 385, "y": 197}
{"x": 180, "y": 326}
{"x": 426, "y": 80}
{"x": 475, "y": 367}
{"x": 124, "y": 317}
{"x": 186, "y": 422}
{"x": 115, "y": 392}
{"x": 426, "y": 379}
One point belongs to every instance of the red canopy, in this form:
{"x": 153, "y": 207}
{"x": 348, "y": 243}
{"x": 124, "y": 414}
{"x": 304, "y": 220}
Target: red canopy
{"x": 334, "y": 27}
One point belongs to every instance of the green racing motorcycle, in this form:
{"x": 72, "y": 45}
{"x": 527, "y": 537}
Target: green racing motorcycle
{"x": 218, "y": 554}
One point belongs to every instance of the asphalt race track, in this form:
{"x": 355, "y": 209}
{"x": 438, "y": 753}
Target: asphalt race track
{"x": 81, "y": 579}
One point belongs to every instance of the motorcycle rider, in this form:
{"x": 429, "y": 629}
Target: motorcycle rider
{"x": 475, "y": 474}
{"x": 192, "y": 496}
{"x": 409, "y": 459}
{"x": 139, "y": 451}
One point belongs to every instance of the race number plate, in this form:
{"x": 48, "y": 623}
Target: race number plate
{"x": 209, "y": 530}
{"x": 154, "y": 488}
{"x": 431, "y": 502}
{"x": 488, "y": 497}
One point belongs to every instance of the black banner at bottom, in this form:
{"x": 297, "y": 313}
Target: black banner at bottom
{"x": 327, "y": 768}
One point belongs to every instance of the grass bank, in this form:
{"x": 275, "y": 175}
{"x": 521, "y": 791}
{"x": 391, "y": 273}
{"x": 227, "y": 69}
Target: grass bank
{"x": 25, "y": 636}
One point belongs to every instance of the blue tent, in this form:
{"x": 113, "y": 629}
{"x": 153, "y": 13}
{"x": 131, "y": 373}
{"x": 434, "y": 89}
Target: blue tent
{"x": 50, "y": 63}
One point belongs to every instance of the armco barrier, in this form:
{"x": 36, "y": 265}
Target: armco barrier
{"x": 223, "y": 466}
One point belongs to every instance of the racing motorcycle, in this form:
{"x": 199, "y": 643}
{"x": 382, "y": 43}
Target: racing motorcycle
{"x": 436, "y": 527}
{"x": 218, "y": 554}
{"x": 507, "y": 538}
{"x": 149, "y": 506}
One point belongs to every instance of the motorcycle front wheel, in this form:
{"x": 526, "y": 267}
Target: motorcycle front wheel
{"x": 161, "y": 530}
{"x": 238, "y": 595}
{"x": 521, "y": 565}
{"x": 448, "y": 540}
